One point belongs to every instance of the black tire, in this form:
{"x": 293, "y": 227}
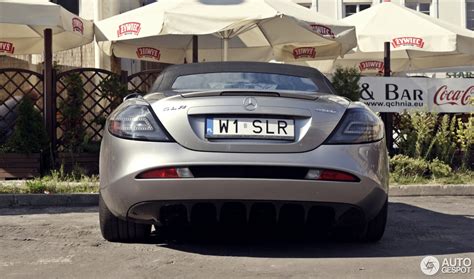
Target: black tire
{"x": 116, "y": 230}
{"x": 376, "y": 226}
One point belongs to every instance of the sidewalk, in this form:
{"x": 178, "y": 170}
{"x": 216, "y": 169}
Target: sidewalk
{"x": 431, "y": 190}
{"x": 81, "y": 199}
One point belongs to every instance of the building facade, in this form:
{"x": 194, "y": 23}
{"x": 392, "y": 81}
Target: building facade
{"x": 458, "y": 12}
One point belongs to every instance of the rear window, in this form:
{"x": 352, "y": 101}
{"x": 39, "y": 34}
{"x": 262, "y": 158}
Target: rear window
{"x": 244, "y": 80}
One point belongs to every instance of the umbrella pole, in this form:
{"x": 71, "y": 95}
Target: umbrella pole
{"x": 386, "y": 60}
{"x": 387, "y": 117}
{"x": 48, "y": 83}
{"x": 195, "y": 49}
{"x": 225, "y": 50}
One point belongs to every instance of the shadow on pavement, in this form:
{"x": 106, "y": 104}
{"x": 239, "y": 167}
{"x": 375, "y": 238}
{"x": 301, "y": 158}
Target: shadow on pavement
{"x": 411, "y": 231}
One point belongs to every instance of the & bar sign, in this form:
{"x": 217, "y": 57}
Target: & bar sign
{"x": 397, "y": 94}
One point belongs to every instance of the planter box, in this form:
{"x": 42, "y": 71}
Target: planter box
{"x": 19, "y": 166}
{"x": 87, "y": 161}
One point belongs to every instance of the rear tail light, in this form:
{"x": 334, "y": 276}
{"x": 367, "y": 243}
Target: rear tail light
{"x": 331, "y": 175}
{"x": 359, "y": 125}
{"x": 165, "y": 173}
{"x": 313, "y": 174}
{"x": 137, "y": 122}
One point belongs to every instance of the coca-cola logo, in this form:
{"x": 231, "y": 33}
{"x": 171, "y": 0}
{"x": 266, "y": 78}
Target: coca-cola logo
{"x": 445, "y": 96}
{"x": 322, "y": 30}
{"x": 148, "y": 52}
{"x": 371, "y": 65}
{"x": 7, "y": 47}
{"x": 309, "y": 52}
{"x": 408, "y": 41}
{"x": 77, "y": 25}
{"x": 128, "y": 28}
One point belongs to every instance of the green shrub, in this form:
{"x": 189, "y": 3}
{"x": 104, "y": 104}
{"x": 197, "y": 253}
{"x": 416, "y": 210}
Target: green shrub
{"x": 113, "y": 89}
{"x": 407, "y": 170}
{"x": 458, "y": 178}
{"x": 465, "y": 139}
{"x": 57, "y": 182}
{"x": 29, "y": 135}
{"x": 346, "y": 83}
{"x": 431, "y": 136}
{"x": 71, "y": 109}
{"x": 444, "y": 141}
{"x": 439, "y": 169}
{"x": 402, "y": 165}
{"x": 4, "y": 148}
{"x": 421, "y": 134}
{"x": 36, "y": 186}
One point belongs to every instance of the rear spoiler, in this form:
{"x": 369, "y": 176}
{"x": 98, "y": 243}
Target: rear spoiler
{"x": 282, "y": 94}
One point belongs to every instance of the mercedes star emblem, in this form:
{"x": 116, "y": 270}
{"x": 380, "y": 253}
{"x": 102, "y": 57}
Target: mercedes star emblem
{"x": 250, "y": 103}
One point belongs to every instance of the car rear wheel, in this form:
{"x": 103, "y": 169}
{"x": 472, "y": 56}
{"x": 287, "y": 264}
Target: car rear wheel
{"x": 117, "y": 230}
{"x": 371, "y": 231}
{"x": 376, "y": 226}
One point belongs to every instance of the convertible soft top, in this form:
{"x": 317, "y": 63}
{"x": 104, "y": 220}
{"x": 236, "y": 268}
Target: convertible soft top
{"x": 166, "y": 79}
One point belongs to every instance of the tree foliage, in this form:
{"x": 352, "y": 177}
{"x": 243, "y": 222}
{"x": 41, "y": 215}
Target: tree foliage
{"x": 346, "y": 83}
{"x": 431, "y": 136}
{"x": 29, "y": 135}
{"x": 71, "y": 109}
{"x": 114, "y": 89}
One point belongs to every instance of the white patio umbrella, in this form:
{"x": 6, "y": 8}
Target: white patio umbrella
{"x": 22, "y": 24}
{"x": 370, "y": 63}
{"x": 258, "y": 30}
{"x": 418, "y": 41}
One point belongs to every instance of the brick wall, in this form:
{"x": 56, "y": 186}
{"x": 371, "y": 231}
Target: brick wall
{"x": 80, "y": 57}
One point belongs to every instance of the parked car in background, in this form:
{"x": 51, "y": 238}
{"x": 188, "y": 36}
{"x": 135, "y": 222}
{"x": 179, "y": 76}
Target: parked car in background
{"x": 252, "y": 143}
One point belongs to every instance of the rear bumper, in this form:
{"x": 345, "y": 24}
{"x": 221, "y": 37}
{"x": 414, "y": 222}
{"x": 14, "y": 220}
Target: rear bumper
{"x": 247, "y": 212}
{"x": 121, "y": 160}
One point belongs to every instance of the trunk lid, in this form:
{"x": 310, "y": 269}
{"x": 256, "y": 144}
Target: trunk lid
{"x": 186, "y": 115}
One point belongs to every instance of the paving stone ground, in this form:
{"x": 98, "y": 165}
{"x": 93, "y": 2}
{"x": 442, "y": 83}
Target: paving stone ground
{"x": 60, "y": 242}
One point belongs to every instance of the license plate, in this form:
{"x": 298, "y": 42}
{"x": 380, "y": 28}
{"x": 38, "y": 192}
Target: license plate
{"x": 256, "y": 128}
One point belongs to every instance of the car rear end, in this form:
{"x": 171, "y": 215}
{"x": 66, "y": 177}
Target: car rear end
{"x": 250, "y": 156}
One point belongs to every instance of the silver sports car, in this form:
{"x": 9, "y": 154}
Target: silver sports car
{"x": 244, "y": 142}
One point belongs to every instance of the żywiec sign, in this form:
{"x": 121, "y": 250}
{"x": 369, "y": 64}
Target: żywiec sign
{"x": 304, "y": 52}
{"x": 323, "y": 30}
{"x": 371, "y": 65}
{"x": 394, "y": 94}
{"x": 129, "y": 28}
{"x": 148, "y": 52}
{"x": 408, "y": 41}
{"x": 77, "y": 25}
{"x": 6, "y": 47}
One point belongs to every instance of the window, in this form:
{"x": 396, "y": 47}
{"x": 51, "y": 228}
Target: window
{"x": 350, "y": 9}
{"x": 244, "y": 80}
{"x": 470, "y": 14}
{"x": 419, "y": 6}
{"x": 306, "y": 5}
{"x": 70, "y": 5}
{"x": 147, "y": 2}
